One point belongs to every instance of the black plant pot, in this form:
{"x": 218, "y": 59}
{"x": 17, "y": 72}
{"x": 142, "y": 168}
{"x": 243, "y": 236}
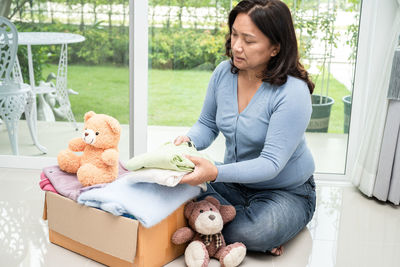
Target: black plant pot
{"x": 347, "y": 109}
{"x": 321, "y": 113}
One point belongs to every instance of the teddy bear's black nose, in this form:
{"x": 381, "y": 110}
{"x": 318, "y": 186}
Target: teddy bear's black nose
{"x": 86, "y": 134}
{"x": 212, "y": 217}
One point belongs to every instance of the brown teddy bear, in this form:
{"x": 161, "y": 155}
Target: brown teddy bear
{"x": 99, "y": 143}
{"x": 206, "y": 219}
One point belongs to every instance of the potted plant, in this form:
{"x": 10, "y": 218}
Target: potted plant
{"x": 347, "y": 109}
{"x": 322, "y": 102}
{"x": 320, "y": 68}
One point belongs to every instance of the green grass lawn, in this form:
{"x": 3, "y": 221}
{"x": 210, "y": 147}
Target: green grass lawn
{"x": 175, "y": 97}
{"x": 103, "y": 89}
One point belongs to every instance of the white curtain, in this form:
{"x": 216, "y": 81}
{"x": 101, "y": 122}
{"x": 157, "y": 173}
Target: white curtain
{"x": 379, "y": 35}
{"x": 387, "y": 184}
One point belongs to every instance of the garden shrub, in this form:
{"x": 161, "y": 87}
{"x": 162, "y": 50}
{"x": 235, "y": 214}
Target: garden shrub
{"x": 178, "y": 48}
{"x": 169, "y": 48}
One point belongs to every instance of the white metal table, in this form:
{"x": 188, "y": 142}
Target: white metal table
{"x": 45, "y": 112}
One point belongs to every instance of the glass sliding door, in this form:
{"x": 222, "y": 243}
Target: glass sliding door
{"x": 328, "y": 34}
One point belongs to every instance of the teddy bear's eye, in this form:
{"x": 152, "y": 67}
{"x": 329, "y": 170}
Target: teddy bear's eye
{"x": 97, "y": 133}
{"x": 201, "y": 211}
{"x": 210, "y": 208}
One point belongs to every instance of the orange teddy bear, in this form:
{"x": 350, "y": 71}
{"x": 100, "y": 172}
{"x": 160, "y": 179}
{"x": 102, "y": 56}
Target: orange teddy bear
{"x": 99, "y": 143}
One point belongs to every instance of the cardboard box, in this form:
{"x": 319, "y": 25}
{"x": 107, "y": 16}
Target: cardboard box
{"x": 108, "y": 239}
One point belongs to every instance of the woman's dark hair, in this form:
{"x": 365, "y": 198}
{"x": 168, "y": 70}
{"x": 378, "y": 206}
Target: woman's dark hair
{"x": 273, "y": 18}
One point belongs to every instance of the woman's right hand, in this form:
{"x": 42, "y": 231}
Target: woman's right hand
{"x": 181, "y": 139}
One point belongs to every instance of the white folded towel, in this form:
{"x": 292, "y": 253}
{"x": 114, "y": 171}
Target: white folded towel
{"x": 159, "y": 176}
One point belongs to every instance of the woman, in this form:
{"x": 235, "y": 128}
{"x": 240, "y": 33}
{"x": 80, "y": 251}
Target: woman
{"x": 260, "y": 100}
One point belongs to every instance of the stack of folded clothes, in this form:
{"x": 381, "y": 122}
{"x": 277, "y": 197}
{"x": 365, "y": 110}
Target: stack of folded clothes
{"x": 147, "y": 187}
{"x": 66, "y": 184}
{"x": 166, "y": 166}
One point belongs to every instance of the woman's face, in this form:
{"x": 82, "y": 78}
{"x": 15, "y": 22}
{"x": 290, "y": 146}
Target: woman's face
{"x": 251, "y": 49}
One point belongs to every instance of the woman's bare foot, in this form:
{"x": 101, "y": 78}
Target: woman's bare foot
{"x": 277, "y": 251}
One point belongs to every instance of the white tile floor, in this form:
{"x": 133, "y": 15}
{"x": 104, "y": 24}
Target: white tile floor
{"x": 348, "y": 230}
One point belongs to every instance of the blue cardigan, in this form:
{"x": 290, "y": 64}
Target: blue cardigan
{"x": 265, "y": 143}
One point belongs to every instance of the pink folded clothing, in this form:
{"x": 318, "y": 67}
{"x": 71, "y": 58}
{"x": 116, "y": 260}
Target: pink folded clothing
{"x": 45, "y": 184}
{"x": 67, "y": 184}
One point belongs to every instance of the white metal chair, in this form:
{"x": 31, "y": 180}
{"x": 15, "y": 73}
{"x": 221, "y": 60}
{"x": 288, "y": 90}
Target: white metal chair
{"x": 15, "y": 96}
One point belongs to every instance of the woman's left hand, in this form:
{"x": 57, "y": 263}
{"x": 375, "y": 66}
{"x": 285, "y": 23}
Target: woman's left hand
{"x": 204, "y": 171}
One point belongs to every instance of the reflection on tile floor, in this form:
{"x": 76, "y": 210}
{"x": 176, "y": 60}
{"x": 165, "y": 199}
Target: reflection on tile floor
{"x": 348, "y": 230}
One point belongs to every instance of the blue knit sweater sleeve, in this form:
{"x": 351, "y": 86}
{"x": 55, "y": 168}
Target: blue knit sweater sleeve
{"x": 205, "y": 130}
{"x": 290, "y": 113}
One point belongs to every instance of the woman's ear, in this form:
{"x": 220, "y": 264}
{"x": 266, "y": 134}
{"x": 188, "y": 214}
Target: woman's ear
{"x": 276, "y": 50}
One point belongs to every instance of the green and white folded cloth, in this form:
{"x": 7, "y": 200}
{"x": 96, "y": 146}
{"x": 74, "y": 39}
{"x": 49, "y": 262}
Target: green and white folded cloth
{"x": 168, "y": 157}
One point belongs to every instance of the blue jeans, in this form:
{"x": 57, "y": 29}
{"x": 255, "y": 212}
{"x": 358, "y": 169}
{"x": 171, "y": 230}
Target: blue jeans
{"x": 265, "y": 219}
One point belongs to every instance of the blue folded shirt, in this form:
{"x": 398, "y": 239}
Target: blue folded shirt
{"x": 148, "y": 202}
